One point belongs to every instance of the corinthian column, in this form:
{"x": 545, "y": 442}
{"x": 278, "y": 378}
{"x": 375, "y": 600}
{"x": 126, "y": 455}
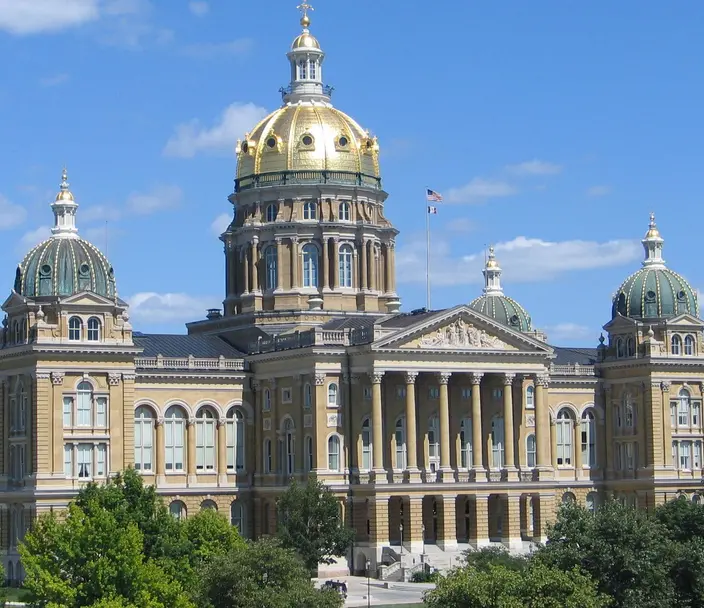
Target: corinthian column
{"x": 508, "y": 425}
{"x": 412, "y": 439}
{"x": 477, "y": 441}
{"x": 377, "y": 424}
{"x": 445, "y": 468}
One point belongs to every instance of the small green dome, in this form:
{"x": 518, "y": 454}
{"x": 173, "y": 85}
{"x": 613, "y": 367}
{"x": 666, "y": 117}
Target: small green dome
{"x": 64, "y": 264}
{"x": 654, "y": 291}
{"x": 503, "y": 309}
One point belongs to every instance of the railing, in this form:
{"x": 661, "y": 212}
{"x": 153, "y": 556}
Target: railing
{"x": 302, "y": 339}
{"x": 280, "y": 178}
{"x": 286, "y": 91}
{"x": 572, "y": 369}
{"x": 190, "y": 363}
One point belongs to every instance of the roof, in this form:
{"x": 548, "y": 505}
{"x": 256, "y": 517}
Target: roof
{"x": 504, "y": 310}
{"x": 406, "y": 319}
{"x": 353, "y": 322}
{"x": 179, "y": 345}
{"x": 567, "y": 355}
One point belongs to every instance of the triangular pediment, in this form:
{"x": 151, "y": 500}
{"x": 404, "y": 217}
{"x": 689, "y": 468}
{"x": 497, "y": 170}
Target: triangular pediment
{"x": 14, "y": 300}
{"x": 87, "y": 298}
{"x": 686, "y": 320}
{"x": 460, "y": 329}
{"x": 620, "y": 323}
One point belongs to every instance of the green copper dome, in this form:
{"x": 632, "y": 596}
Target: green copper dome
{"x": 494, "y": 304}
{"x": 64, "y": 264}
{"x": 654, "y": 291}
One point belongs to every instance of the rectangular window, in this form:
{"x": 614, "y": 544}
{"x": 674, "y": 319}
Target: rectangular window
{"x": 673, "y": 413}
{"x": 466, "y": 443}
{"x": 68, "y": 460}
{"x": 101, "y": 460}
{"x": 683, "y": 412}
{"x": 497, "y": 394}
{"x": 84, "y": 407}
{"x": 696, "y": 413}
{"x": 675, "y": 459}
{"x": 68, "y": 412}
{"x": 267, "y": 456}
{"x": 85, "y": 461}
{"x": 401, "y": 391}
{"x": 368, "y": 393}
{"x": 466, "y": 393}
{"x": 433, "y": 392}
{"x": 286, "y": 395}
{"x": 101, "y": 412}
{"x": 685, "y": 455}
{"x": 630, "y": 459}
{"x": 280, "y": 456}
{"x": 697, "y": 458}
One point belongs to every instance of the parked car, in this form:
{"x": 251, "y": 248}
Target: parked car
{"x": 339, "y": 586}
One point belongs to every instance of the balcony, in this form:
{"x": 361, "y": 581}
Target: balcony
{"x": 283, "y": 178}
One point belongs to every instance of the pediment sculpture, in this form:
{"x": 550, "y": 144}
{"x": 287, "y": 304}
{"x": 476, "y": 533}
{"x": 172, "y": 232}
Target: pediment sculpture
{"x": 460, "y": 334}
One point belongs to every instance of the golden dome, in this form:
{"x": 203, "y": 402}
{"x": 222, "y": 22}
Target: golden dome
{"x": 491, "y": 260}
{"x": 305, "y": 41}
{"x": 64, "y": 193}
{"x": 307, "y": 137}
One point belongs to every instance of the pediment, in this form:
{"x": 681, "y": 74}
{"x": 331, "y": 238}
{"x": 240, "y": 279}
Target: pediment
{"x": 687, "y": 320}
{"x": 620, "y": 323}
{"x": 87, "y": 298}
{"x": 461, "y": 329}
{"x": 14, "y": 300}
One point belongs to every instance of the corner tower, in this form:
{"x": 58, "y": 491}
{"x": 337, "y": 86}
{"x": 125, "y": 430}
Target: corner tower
{"x": 308, "y": 234}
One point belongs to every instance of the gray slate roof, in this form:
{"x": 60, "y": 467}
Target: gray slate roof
{"x": 178, "y": 345}
{"x": 406, "y": 319}
{"x": 353, "y": 322}
{"x": 567, "y": 355}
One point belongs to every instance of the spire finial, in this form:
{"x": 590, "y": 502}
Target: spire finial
{"x": 64, "y": 180}
{"x": 64, "y": 207}
{"x": 304, "y": 7}
{"x": 652, "y": 243}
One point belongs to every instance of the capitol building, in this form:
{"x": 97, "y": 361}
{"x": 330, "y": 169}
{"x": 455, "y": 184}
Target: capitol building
{"x": 438, "y": 430}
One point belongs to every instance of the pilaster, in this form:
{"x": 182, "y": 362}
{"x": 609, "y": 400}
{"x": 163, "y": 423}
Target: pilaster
{"x": 448, "y": 524}
{"x": 479, "y": 529}
{"x": 511, "y": 529}
{"x": 543, "y": 512}
{"x": 377, "y": 425}
{"x": 415, "y": 525}
{"x": 512, "y": 471}
{"x": 411, "y": 427}
{"x": 477, "y": 432}
{"x": 445, "y": 468}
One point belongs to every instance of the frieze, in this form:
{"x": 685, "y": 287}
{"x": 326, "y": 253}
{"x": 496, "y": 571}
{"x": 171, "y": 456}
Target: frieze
{"x": 461, "y": 334}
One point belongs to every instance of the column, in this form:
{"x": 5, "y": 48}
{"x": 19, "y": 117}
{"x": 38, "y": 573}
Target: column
{"x": 392, "y": 267}
{"x": 279, "y": 264}
{"x": 364, "y": 267}
{"x": 160, "y": 456}
{"x": 477, "y": 447}
{"x": 445, "y": 468}
{"x": 541, "y": 421}
{"x": 255, "y": 264}
{"x": 411, "y": 428}
{"x": 511, "y": 531}
{"x": 415, "y": 525}
{"x": 336, "y": 263}
{"x": 448, "y": 527}
{"x": 326, "y": 263}
{"x": 372, "y": 266}
{"x": 389, "y": 269}
{"x": 377, "y": 425}
{"x": 479, "y": 529}
{"x": 553, "y": 442}
{"x": 666, "y": 424}
{"x": 577, "y": 441}
{"x": 222, "y": 452}
{"x": 378, "y": 525}
{"x": 608, "y": 432}
{"x": 245, "y": 270}
{"x": 191, "y": 450}
{"x": 508, "y": 426}
{"x": 295, "y": 264}
{"x": 543, "y": 510}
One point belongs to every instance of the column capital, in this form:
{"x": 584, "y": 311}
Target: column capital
{"x": 159, "y": 421}
{"x": 411, "y": 377}
{"x": 376, "y": 376}
{"x": 278, "y": 240}
{"x": 319, "y": 378}
{"x": 57, "y": 378}
{"x": 443, "y": 377}
{"x": 114, "y": 378}
{"x": 508, "y": 379}
{"x": 190, "y": 421}
{"x": 665, "y": 386}
{"x": 542, "y": 380}
{"x": 476, "y": 378}
{"x": 256, "y": 385}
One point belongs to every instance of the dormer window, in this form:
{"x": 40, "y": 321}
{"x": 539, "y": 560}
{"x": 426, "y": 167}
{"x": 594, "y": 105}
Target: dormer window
{"x": 307, "y": 141}
{"x": 45, "y": 280}
{"x": 74, "y": 328}
{"x": 93, "y": 329}
{"x": 651, "y": 305}
{"x": 84, "y": 277}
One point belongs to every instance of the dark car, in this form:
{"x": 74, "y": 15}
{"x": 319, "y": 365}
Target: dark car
{"x": 339, "y": 586}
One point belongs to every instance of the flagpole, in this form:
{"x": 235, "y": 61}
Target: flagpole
{"x": 427, "y": 252}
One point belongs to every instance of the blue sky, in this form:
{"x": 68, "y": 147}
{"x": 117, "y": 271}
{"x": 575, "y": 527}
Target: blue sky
{"x": 552, "y": 128}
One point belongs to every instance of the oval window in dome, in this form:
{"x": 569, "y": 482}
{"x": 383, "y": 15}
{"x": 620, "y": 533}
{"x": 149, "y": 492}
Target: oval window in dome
{"x": 307, "y": 140}
{"x": 681, "y": 296}
{"x": 514, "y": 320}
{"x": 343, "y": 141}
{"x": 244, "y": 147}
{"x": 271, "y": 142}
{"x": 46, "y": 269}
{"x": 84, "y": 269}
{"x": 650, "y": 296}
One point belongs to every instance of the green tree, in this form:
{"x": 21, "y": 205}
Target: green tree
{"x": 494, "y": 556}
{"x": 682, "y": 519}
{"x": 88, "y": 558}
{"x": 261, "y": 574}
{"x": 310, "y": 523}
{"x": 501, "y": 586}
{"x": 622, "y": 548}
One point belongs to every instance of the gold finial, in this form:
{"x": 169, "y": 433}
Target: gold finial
{"x": 64, "y": 192}
{"x": 652, "y": 228}
{"x": 304, "y": 7}
{"x": 491, "y": 260}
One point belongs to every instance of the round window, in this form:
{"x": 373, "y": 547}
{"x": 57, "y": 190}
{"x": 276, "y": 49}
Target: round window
{"x": 514, "y": 320}
{"x": 244, "y": 148}
{"x": 271, "y": 142}
{"x": 307, "y": 140}
{"x": 650, "y": 295}
{"x": 46, "y": 269}
{"x": 85, "y": 269}
{"x": 343, "y": 141}
{"x": 682, "y": 296}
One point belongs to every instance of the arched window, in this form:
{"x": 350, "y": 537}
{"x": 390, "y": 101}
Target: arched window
{"x": 74, "y": 328}
{"x": 333, "y": 395}
{"x": 676, "y": 343}
{"x": 592, "y": 501}
{"x": 530, "y": 398}
{"x": 177, "y": 510}
{"x": 620, "y": 350}
{"x": 267, "y": 456}
{"x": 366, "y": 445}
{"x": 530, "y": 451}
{"x": 466, "y": 456}
{"x": 310, "y": 265}
{"x": 334, "y": 453}
{"x": 683, "y": 408}
{"x": 433, "y": 444}
{"x": 564, "y": 438}
{"x": 271, "y": 262}
{"x": 344, "y": 211}
{"x": 235, "y": 440}
{"x": 267, "y": 400}
{"x": 307, "y": 396}
{"x": 174, "y": 439}
{"x": 237, "y": 516}
{"x": 309, "y": 463}
{"x": 309, "y": 210}
{"x": 208, "y": 504}
{"x": 205, "y": 440}
{"x": 93, "y": 329}
{"x": 696, "y": 499}
{"x": 400, "y": 437}
{"x": 346, "y": 265}
{"x": 688, "y": 345}
{"x": 588, "y": 431}
{"x": 271, "y": 212}
{"x": 290, "y": 439}
{"x": 497, "y": 442}
{"x": 651, "y": 305}
{"x": 631, "y": 346}
{"x": 568, "y": 498}
{"x": 143, "y": 439}
{"x": 84, "y": 411}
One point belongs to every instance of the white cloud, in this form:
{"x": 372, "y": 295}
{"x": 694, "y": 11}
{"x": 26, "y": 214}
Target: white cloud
{"x": 534, "y": 167}
{"x": 55, "y": 80}
{"x": 151, "y": 307}
{"x": 100, "y": 213}
{"x": 570, "y": 332}
{"x": 11, "y": 215}
{"x": 32, "y": 238}
{"x": 159, "y": 198}
{"x": 523, "y": 260}
{"x": 191, "y": 138}
{"x": 220, "y": 223}
{"x": 480, "y": 190}
{"x": 23, "y": 17}
{"x": 199, "y": 8}
{"x": 599, "y": 191}
{"x": 205, "y": 50}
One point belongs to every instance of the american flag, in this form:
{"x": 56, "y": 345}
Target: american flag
{"x": 432, "y": 196}
{"x": 432, "y": 210}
